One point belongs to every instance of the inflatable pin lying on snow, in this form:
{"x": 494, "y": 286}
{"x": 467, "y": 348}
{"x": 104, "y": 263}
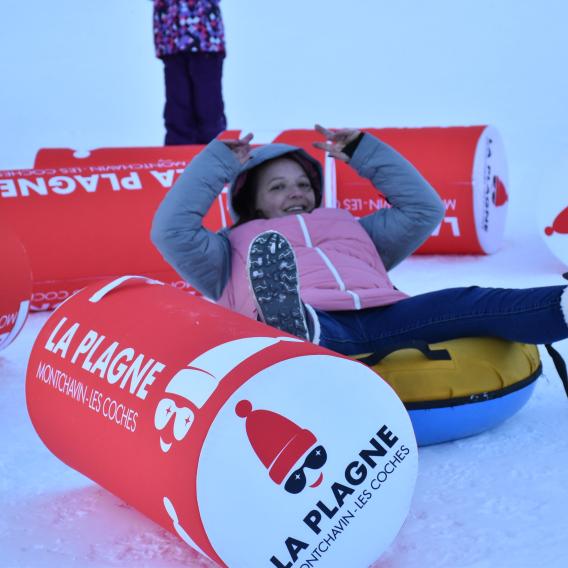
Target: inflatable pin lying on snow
{"x": 107, "y": 199}
{"x": 15, "y": 286}
{"x": 256, "y": 448}
{"x": 81, "y": 224}
{"x": 461, "y": 387}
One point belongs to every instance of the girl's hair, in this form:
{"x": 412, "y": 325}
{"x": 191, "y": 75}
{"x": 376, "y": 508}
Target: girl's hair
{"x": 244, "y": 202}
{"x": 244, "y": 197}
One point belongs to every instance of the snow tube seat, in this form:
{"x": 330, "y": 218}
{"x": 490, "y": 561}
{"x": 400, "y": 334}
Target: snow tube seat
{"x": 461, "y": 387}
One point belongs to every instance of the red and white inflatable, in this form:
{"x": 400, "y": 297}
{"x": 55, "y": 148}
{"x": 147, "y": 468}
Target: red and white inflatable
{"x": 256, "y": 448}
{"x": 15, "y": 286}
{"x": 468, "y": 169}
{"x": 85, "y": 218}
{"x": 82, "y": 223}
{"x": 553, "y": 211}
{"x": 466, "y": 166}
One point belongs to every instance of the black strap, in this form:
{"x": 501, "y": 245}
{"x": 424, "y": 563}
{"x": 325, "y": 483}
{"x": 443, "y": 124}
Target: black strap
{"x": 422, "y": 346}
{"x": 560, "y": 365}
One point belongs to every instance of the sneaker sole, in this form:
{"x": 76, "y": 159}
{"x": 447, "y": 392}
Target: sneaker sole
{"x": 273, "y": 276}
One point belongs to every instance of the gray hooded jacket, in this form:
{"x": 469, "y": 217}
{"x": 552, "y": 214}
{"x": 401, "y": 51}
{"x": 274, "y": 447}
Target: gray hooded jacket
{"x": 203, "y": 258}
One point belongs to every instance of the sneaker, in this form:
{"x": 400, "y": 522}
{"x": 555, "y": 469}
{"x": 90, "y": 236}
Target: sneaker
{"x": 273, "y": 277}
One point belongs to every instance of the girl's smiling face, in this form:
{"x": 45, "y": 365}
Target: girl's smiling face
{"x": 283, "y": 188}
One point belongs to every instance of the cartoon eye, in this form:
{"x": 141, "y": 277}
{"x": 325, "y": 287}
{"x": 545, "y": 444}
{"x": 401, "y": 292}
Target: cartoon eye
{"x": 184, "y": 420}
{"x": 164, "y": 412}
{"x": 183, "y": 417}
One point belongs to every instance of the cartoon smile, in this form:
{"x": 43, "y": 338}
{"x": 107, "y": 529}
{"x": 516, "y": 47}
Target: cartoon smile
{"x": 297, "y": 480}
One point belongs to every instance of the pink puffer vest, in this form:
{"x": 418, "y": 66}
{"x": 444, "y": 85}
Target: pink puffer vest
{"x": 339, "y": 267}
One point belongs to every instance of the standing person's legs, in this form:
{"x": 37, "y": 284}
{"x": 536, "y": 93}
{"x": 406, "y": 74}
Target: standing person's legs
{"x": 179, "y": 117}
{"x": 206, "y": 72}
{"x": 532, "y": 315}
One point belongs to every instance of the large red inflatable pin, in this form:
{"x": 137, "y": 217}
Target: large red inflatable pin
{"x": 15, "y": 286}
{"x": 256, "y": 448}
{"x": 84, "y": 216}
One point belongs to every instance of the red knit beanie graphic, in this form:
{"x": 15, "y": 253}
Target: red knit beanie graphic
{"x": 278, "y": 442}
{"x": 560, "y": 224}
{"x": 500, "y": 196}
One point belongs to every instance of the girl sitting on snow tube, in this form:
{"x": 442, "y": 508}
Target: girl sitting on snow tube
{"x": 320, "y": 273}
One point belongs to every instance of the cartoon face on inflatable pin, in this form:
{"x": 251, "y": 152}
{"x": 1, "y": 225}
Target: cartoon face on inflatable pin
{"x": 289, "y": 452}
{"x": 196, "y": 383}
{"x": 190, "y": 388}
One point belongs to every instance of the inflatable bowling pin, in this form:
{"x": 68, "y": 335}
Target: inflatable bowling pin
{"x": 15, "y": 286}
{"x": 84, "y": 221}
{"x": 556, "y": 233}
{"x": 256, "y": 448}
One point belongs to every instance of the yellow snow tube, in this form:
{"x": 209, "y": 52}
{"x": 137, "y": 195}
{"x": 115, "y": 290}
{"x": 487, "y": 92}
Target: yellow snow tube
{"x": 460, "y": 387}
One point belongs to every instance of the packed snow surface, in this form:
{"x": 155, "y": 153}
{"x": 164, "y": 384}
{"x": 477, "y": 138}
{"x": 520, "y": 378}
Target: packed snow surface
{"x": 496, "y": 499}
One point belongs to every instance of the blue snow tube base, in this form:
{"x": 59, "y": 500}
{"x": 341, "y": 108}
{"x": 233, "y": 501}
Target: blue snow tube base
{"x": 479, "y": 384}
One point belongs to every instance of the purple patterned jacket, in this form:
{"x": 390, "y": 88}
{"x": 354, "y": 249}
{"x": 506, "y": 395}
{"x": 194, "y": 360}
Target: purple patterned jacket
{"x": 194, "y": 25}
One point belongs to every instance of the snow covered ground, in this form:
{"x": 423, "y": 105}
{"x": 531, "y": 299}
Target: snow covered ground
{"x": 497, "y": 499}
{"x": 82, "y": 75}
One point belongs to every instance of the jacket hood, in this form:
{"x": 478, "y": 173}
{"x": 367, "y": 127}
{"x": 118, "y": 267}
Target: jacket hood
{"x": 240, "y": 190}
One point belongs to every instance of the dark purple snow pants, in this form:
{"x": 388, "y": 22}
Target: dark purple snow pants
{"x": 194, "y": 110}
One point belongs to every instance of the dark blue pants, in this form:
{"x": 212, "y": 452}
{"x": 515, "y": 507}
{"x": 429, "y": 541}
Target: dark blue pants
{"x": 194, "y": 112}
{"x": 531, "y": 315}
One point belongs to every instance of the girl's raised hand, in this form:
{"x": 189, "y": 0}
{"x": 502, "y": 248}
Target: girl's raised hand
{"x": 336, "y": 140}
{"x": 241, "y": 147}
